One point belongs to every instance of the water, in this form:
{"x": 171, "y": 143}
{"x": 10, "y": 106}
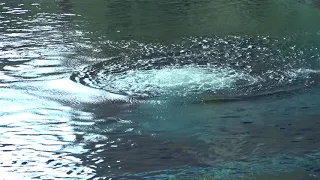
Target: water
{"x": 159, "y": 90}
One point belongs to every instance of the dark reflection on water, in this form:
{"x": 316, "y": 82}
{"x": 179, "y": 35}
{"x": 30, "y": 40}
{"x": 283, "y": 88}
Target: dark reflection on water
{"x": 52, "y": 127}
{"x": 66, "y": 6}
{"x": 167, "y": 21}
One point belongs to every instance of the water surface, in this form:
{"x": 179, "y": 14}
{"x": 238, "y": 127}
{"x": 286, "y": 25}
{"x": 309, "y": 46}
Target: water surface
{"x": 159, "y": 90}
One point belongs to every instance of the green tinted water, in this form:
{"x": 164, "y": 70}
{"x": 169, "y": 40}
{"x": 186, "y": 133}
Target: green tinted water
{"x": 183, "y": 89}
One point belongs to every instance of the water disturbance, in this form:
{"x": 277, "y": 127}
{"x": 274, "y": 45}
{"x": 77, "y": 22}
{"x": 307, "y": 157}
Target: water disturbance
{"x": 157, "y": 89}
{"x": 232, "y": 67}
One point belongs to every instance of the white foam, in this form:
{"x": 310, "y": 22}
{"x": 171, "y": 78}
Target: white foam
{"x": 174, "y": 80}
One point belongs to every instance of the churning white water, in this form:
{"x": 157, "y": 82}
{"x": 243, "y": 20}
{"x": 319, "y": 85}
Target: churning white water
{"x": 174, "y": 80}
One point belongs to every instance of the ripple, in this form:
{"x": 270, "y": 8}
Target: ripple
{"x": 233, "y": 66}
{"x": 16, "y": 11}
{"x": 44, "y": 139}
{"x": 181, "y": 81}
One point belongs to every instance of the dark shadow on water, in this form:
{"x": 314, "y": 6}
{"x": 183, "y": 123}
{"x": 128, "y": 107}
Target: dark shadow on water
{"x": 66, "y": 6}
{"x": 125, "y": 148}
{"x": 277, "y": 146}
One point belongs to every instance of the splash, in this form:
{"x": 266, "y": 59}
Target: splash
{"x": 230, "y": 66}
{"x": 173, "y": 81}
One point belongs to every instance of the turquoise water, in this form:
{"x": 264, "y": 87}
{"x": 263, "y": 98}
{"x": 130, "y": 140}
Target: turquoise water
{"x": 159, "y": 89}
